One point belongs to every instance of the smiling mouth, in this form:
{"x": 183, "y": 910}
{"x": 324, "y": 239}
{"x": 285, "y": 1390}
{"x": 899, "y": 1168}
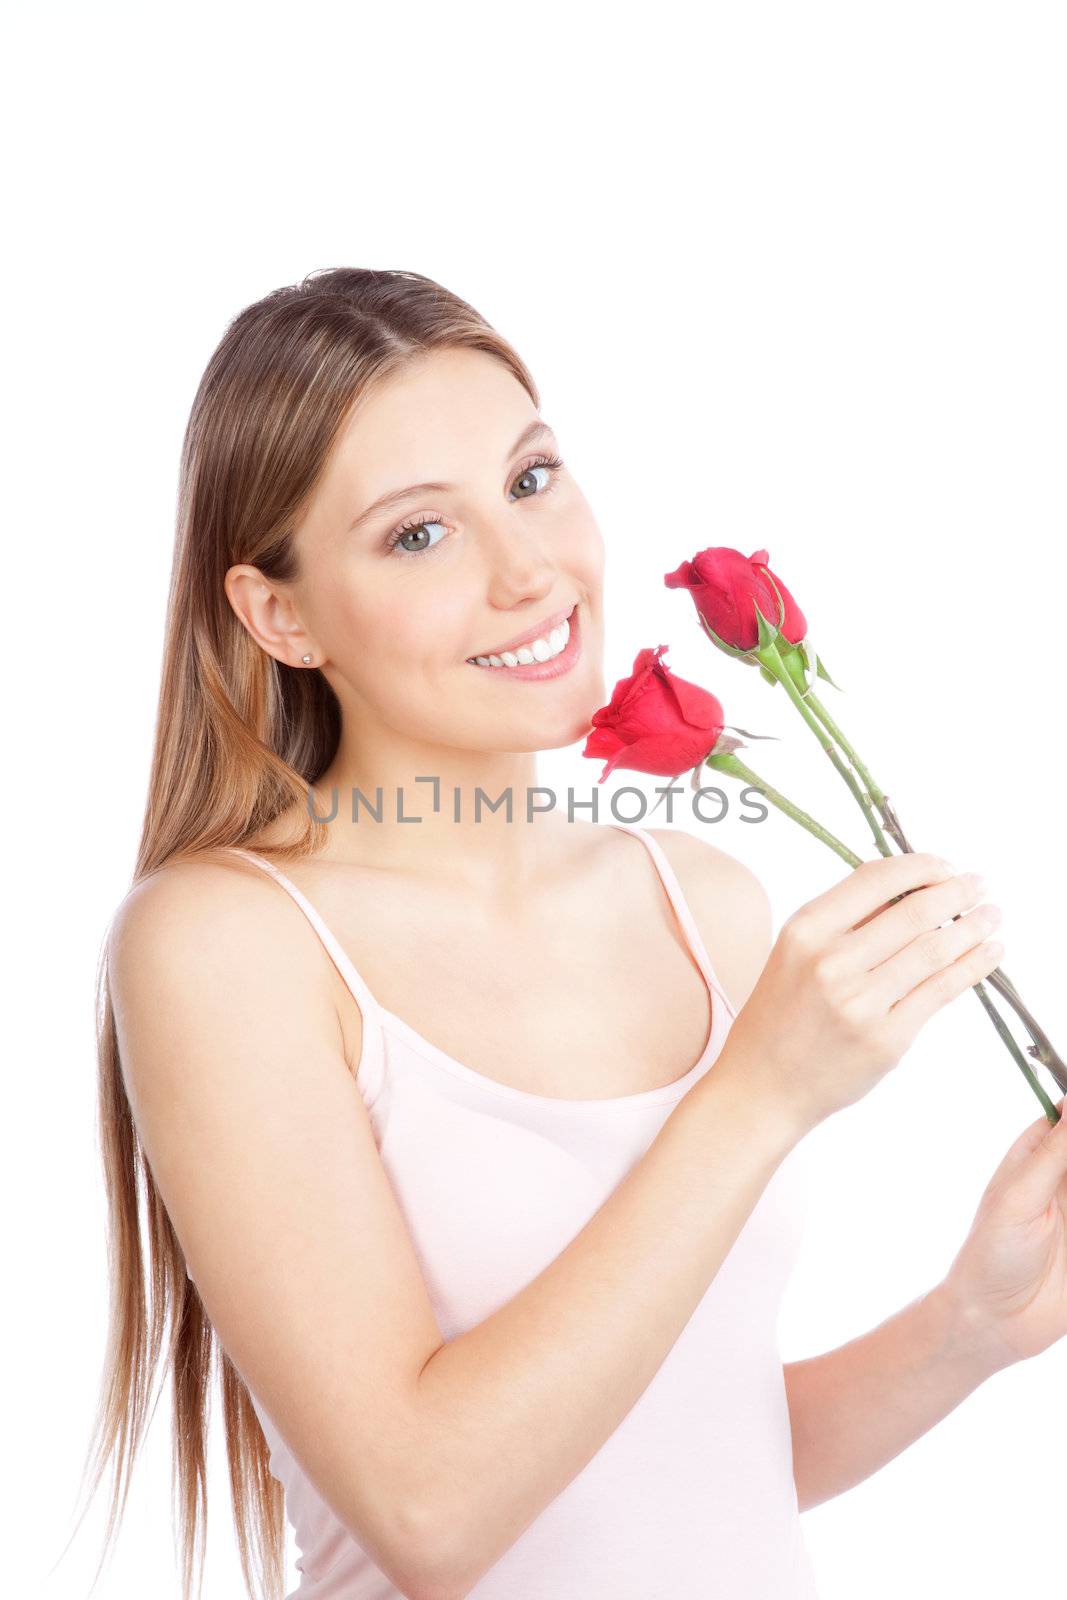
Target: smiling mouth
{"x": 550, "y": 655}
{"x": 545, "y": 647}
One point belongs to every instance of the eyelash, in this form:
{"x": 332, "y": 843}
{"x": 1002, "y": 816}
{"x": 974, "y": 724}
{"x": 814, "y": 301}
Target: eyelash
{"x": 393, "y": 541}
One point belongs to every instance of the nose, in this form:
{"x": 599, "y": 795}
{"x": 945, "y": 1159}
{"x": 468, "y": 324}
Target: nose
{"x": 519, "y": 568}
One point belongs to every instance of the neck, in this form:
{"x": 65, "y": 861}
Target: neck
{"x": 470, "y": 817}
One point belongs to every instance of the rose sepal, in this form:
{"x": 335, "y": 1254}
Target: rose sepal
{"x": 748, "y": 656}
{"x": 768, "y": 633}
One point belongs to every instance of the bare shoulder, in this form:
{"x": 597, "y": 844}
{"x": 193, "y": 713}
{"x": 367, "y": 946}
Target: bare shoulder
{"x": 215, "y": 934}
{"x": 190, "y": 909}
{"x": 181, "y": 893}
{"x": 730, "y": 905}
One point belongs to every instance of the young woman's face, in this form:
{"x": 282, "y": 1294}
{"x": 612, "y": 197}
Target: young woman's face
{"x": 398, "y": 599}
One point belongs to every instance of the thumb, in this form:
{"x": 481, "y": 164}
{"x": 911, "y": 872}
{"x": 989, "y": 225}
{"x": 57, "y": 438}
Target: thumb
{"x": 1044, "y": 1163}
{"x": 1030, "y": 1140}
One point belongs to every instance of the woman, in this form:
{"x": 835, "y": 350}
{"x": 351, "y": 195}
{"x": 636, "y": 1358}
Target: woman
{"x": 448, "y": 1125}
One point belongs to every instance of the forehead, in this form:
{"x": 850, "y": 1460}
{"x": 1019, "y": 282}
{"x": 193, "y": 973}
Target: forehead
{"x": 446, "y": 417}
{"x": 447, "y": 407}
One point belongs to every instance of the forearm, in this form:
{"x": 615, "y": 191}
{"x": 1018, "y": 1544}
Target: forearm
{"x": 856, "y": 1407}
{"x": 513, "y": 1409}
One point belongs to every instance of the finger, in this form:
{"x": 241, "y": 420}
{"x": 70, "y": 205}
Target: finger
{"x": 1039, "y": 1176}
{"x": 1027, "y": 1142}
{"x": 896, "y": 924}
{"x": 930, "y": 955}
{"x": 968, "y": 969}
{"x": 870, "y": 885}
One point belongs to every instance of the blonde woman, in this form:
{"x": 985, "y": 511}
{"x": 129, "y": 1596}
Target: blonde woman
{"x": 463, "y": 1136}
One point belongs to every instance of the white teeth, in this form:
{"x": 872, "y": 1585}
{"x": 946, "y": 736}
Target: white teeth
{"x": 536, "y": 650}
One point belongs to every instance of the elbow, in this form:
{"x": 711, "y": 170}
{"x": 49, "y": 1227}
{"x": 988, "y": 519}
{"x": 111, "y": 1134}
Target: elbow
{"x": 427, "y": 1565}
{"x": 808, "y": 1494}
{"x": 435, "y": 1590}
{"x": 809, "y": 1498}
{"x": 431, "y": 1581}
{"x": 430, "y": 1586}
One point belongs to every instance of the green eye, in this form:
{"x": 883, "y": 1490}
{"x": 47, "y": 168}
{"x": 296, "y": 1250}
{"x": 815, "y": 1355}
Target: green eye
{"x": 416, "y": 527}
{"x": 424, "y": 522}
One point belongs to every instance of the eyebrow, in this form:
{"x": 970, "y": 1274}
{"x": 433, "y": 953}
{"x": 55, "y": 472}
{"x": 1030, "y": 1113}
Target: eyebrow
{"x": 395, "y": 496}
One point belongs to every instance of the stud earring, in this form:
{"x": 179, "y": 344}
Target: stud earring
{"x": 306, "y": 660}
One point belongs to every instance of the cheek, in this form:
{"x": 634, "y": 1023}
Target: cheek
{"x": 363, "y": 622}
{"x": 588, "y": 552}
{"x": 400, "y": 622}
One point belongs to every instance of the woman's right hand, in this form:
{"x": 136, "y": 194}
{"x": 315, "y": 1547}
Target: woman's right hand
{"x": 852, "y": 978}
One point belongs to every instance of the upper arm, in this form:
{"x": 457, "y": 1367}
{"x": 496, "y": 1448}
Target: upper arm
{"x": 262, "y": 1150}
{"x": 730, "y": 905}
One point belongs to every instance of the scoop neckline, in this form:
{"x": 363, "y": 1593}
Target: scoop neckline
{"x": 665, "y": 1092}
{"x": 389, "y": 1020}
{"x": 642, "y": 1097}
{"x": 386, "y": 1019}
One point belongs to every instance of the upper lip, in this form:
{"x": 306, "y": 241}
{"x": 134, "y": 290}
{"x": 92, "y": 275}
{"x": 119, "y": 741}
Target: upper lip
{"x": 541, "y": 631}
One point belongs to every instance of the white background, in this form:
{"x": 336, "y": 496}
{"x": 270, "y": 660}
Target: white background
{"x": 788, "y": 276}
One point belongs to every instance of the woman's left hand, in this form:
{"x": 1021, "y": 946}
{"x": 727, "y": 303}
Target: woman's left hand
{"x": 1009, "y": 1278}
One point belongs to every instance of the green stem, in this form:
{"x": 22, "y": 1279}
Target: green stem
{"x": 726, "y": 761}
{"x": 807, "y": 703}
{"x": 771, "y": 658}
{"x": 828, "y": 722}
{"x": 1002, "y": 1028}
{"x": 1043, "y": 1049}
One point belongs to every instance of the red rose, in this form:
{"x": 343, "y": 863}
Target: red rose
{"x": 726, "y": 588}
{"x": 654, "y": 721}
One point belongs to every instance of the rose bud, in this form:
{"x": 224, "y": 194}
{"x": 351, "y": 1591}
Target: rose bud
{"x": 727, "y": 587}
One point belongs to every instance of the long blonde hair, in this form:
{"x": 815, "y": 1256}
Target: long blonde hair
{"x": 239, "y": 738}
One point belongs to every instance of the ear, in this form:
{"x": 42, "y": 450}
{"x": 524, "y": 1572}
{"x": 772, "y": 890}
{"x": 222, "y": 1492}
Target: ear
{"x": 267, "y": 611}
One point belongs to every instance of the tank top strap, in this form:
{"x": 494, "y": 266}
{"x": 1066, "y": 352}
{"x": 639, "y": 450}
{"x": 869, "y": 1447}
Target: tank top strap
{"x": 372, "y": 1051}
{"x": 685, "y": 916}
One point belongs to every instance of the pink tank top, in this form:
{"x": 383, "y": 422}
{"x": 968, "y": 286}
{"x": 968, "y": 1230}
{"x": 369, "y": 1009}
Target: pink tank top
{"x": 692, "y": 1497}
